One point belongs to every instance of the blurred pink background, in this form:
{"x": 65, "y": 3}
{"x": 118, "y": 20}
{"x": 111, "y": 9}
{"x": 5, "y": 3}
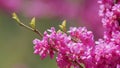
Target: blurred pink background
{"x": 84, "y": 12}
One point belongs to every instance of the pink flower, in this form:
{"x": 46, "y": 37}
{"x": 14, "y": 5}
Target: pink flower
{"x": 82, "y": 35}
{"x": 68, "y": 49}
{"x": 107, "y": 55}
{"x": 63, "y": 61}
{"x": 77, "y": 45}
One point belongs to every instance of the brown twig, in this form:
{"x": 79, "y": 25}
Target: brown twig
{"x": 29, "y": 28}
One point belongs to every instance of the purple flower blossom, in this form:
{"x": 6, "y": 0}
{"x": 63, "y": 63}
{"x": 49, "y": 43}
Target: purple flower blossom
{"x": 82, "y": 35}
{"x": 107, "y": 55}
{"x": 77, "y": 45}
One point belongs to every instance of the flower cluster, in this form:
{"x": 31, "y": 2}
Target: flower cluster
{"x": 76, "y": 47}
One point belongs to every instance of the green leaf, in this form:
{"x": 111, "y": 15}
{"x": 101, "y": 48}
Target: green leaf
{"x": 64, "y": 23}
{"x": 63, "y": 26}
{"x": 32, "y": 23}
{"x": 14, "y": 16}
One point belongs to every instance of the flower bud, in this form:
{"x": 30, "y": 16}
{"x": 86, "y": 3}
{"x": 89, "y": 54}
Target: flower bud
{"x": 63, "y": 26}
{"x": 32, "y": 23}
{"x": 14, "y": 16}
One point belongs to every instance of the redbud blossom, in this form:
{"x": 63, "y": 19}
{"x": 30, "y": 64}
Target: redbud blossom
{"x": 77, "y": 47}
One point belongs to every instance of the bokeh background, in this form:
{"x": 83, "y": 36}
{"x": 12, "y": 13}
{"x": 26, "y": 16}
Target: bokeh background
{"x": 16, "y": 48}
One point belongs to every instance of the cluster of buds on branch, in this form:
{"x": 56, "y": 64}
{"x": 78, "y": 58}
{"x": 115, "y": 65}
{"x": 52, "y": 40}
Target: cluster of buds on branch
{"x": 77, "y": 47}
